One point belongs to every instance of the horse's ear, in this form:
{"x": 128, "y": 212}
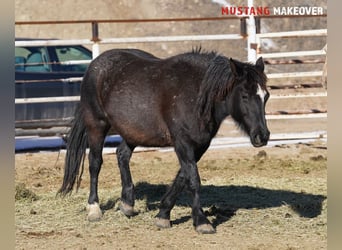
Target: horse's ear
{"x": 260, "y": 64}
{"x": 233, "y": 67}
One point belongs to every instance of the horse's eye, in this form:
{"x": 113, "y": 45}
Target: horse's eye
{"x": 245, "y": 97}
{"x": 267, "y": 96}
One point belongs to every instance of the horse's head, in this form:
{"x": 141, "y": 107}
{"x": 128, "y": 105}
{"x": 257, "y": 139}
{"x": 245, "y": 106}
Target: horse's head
{"x": 248, "y": 99}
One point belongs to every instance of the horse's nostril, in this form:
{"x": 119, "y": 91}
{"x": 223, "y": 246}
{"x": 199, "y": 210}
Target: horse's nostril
{"x": 267, "y": 136}
{"x": 258, "y": 139}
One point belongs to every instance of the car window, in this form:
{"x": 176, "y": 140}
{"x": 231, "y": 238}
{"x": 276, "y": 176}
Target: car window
{"x": 20, "y": 58}
{"x": 32, "y": 59}
{"x": 68, "y": 57}
{"x": 23, "y": 52}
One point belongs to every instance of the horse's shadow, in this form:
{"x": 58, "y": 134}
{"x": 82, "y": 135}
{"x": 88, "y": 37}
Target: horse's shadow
{"x": 224, "y": 201}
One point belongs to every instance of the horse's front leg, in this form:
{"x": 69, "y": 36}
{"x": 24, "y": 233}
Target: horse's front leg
{"x": 187, "y": 176}
{"x": 200, "y": 221}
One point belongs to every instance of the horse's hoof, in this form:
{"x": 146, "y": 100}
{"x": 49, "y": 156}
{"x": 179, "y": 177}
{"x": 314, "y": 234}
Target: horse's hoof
{"x": 94, "y": 212}
{"x": 127, "y": 209}
{"x": 163, "y": 223}
{"x": 205, "y": 229}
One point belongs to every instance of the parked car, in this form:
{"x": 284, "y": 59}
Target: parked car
{"x": 47, "y": 71}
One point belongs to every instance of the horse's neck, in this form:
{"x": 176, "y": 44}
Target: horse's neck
{"x": 219, "y": 114}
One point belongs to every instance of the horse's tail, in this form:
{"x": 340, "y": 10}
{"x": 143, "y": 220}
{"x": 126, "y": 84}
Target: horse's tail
{"x": 77, "y": 142}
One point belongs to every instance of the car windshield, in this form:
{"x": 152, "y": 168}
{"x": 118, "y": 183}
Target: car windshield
{"x": 72, "y": 58}
{"x": 52, "y": 59}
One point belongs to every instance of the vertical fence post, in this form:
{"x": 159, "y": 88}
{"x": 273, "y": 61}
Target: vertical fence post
{"x": 243, "y": 27}
{"x": 95, "y": 39}
{"x": 251, "y": 41}
{"x": 257, "y": 39}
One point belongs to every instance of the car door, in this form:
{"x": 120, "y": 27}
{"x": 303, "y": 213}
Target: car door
{"x": 43, "y": 72}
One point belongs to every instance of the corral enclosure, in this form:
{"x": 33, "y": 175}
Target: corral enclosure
{"x": 147, "y": 9}
{"x": 272, "y": 198}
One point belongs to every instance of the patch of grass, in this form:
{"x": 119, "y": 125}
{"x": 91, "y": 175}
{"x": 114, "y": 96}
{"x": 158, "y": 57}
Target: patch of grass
{"x": 318, "y": 158}
{"x": 23, "y": 193}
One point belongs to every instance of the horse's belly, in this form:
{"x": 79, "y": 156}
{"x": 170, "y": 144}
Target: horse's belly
{"x": 157, "y": 140}
{"x": 135, "y": 113}
{"x": 147, "y": 139}
{"x": 143, "y": 133}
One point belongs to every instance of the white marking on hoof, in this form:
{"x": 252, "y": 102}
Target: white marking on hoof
{"x": 127, "y": 209}
{"x": 162, "y": 223}
{"x": 94, "y": 212}
{"x": 205, "y": 229}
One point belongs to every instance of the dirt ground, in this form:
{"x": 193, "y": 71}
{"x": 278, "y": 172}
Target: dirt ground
{"x": 265, "y": 198}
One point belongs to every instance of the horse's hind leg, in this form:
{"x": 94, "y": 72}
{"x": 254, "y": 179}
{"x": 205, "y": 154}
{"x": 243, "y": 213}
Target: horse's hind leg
{"x": 124, "y": 153}
{"x": 96, "y": 136}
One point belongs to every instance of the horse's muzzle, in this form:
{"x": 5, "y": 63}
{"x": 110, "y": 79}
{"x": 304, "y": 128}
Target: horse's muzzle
{"x": 260, "y": 139}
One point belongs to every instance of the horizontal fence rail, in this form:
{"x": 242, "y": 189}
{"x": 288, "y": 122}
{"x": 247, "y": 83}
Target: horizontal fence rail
{"x": 296, "y": 116}
{"x": 294, "y": 34}
{"x": 149, "y": 20}
{"x": 131, "y": 40}
{"x": 293, "y": 54}
{"x": 158, "y": 20}
{"x": 292, "y": 61}
{"x": 295, "y": 74}
{"x": 47, "y": 99}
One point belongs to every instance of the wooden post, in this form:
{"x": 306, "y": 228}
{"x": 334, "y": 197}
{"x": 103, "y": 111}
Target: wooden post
{"x": 325, "y": 68}
{"x": 243, "y": 27}
{"x": 95, "y": 39}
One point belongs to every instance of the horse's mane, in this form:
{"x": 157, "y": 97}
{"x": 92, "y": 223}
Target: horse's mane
{"x": 199, "y": 50}
{"x": 197, "y": 56}
{"x": 216, "y": 84}
{"x": 220, "y": 79}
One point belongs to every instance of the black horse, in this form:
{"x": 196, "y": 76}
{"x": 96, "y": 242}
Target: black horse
{"x": 179, "y": 101}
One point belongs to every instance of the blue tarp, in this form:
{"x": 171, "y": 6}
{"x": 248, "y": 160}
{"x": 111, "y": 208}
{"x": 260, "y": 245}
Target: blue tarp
{"x": 26, "y": 144}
